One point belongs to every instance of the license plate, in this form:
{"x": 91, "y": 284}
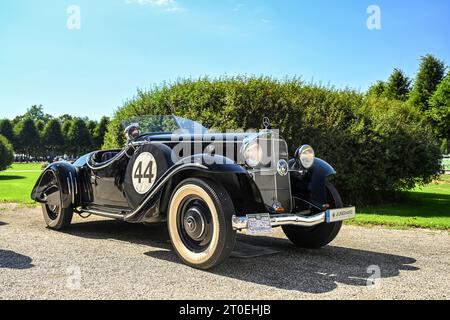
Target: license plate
{"x": 259, "y": 223}
{"x": 341, "y": 214}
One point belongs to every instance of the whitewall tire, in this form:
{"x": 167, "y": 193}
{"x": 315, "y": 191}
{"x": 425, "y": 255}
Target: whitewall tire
{"x": 199, "y": 223}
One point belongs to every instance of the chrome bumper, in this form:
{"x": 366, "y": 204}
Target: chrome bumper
{"x": 240, "y": 223}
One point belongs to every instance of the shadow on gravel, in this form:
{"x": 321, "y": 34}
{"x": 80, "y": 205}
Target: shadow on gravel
{"x": 151, "y": 235}
{"x": 12, "y": 177}
{"x": 2, "y": 223}
{"x": 312, "y": 271}
{"x": 12, "y": 260}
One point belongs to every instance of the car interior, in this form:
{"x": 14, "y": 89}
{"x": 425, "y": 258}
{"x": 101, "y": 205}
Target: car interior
{"x": 103, "y": 156}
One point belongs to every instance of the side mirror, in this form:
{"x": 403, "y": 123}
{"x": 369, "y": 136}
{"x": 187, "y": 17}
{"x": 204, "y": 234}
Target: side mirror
{"x": 132, "y": 132}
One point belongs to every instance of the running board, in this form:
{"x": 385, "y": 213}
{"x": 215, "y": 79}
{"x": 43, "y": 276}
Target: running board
{"x": 104, "y": 214}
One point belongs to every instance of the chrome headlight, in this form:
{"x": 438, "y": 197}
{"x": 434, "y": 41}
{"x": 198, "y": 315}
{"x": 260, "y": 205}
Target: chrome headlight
{"x": 305, "y": 156}
{"x": 253, "y": 154}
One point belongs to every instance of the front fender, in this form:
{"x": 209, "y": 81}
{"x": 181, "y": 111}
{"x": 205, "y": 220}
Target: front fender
{"x": 64, "y": 175}
{"x": 311, "y": 186}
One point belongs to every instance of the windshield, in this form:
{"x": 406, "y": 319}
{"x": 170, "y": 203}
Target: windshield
{"x": 166, "y": 124}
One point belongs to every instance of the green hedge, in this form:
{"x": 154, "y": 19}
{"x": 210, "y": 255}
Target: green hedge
{"x": 375, "y": 144}
{"x": 6, "y": 153}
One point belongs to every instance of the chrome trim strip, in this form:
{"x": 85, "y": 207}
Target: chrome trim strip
{"x": 186, "y": 141}
{"x": 76, "y": 186}
{"x": 69, "y": 187}
{"x": 139, "y": 143}
{"x": 72, "y": 188}
{"x": 111, "y": 161}
{"x": 77, "y": 194}
{"x": 276, "y": 186}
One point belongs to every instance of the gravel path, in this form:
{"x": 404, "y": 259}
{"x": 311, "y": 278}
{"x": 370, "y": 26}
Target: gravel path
{"x": 106, "y": 259}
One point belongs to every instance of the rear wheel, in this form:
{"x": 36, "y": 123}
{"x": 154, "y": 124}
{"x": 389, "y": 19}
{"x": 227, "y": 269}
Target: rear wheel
{"x": 322, "y": 234}
{"x": 57, "y": 218}
{"x": 199, "y": 222}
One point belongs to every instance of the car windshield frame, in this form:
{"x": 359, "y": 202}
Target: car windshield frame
{"x": 165, "y": 124}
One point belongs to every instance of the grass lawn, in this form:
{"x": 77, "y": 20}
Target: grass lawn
{"x": 17, "y": 181}
{"x": 427, "y": 207}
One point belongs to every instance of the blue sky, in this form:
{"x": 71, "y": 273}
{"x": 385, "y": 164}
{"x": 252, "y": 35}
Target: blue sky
{"x": 123, "y": 45}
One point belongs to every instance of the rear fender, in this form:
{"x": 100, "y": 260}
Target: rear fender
{"x": 65, "y": 176}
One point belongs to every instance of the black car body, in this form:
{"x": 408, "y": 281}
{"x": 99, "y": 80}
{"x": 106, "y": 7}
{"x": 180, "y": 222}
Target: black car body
{"x": 206, "y": 186}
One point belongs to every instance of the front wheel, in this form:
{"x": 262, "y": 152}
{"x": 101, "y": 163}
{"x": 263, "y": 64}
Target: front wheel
{"x": 322, "y": 234}
{"x": 199, "y": 223}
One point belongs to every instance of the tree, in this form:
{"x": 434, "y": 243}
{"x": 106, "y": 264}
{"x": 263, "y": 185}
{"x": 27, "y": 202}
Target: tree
{"x": 65, "y": 117}
{"x": 6, "y": 153}
{"x": 377, "y": 89}
{"x": 52, "y": 137}
{"x": 40, "y": 125}
{"x": 439, "y": 111}
{"x": 37, "y": 113}
{"x": 6, "y": 130}
{"x": 16, "y": 120}
{"x": 100, "y": 131}
{"x": 431, "y": 73}
{"x": 91, "y": 125}
{"x": 65, "y": 131}
{"x": 398, "y": 86}
{"x": 79, "y": 137}
{"x": 27, "y": 136}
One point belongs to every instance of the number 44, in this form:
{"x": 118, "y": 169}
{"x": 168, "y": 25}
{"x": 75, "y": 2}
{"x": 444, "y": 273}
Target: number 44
{"x": 147, "y": 172}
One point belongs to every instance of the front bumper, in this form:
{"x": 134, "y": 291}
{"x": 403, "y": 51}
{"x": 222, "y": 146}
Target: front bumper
{"x": 277, "y": 220}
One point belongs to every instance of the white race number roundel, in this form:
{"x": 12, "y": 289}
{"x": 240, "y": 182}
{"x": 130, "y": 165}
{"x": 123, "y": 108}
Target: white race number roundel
{"x": 144, "y": 172}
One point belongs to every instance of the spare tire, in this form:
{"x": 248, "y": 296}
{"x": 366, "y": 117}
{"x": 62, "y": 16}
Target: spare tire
{"x": 144, "y": 169}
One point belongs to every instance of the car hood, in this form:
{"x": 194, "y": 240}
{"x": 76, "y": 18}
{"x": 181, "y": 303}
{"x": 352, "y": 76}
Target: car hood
{"x": 169, "y": 137}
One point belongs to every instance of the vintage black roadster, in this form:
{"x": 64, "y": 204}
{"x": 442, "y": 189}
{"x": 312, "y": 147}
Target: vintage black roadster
{"x": 205, "y": 186}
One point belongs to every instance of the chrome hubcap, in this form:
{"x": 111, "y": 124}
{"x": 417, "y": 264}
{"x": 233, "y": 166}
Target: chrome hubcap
{"x": 194, "y": 223}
